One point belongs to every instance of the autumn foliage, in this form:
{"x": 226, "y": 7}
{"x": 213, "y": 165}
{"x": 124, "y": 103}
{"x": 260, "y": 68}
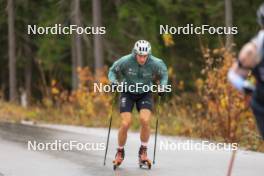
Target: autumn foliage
{"x": 87, "y": 106}
{"x": 227, "y": 110}
{"x": 215, "y": 111}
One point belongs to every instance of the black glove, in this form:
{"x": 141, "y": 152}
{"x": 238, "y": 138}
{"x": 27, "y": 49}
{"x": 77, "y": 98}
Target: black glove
{"x": 161, "y": 94}
{"x": 114, "y": 86}
{"x": 248, "y": 88}
{"x": 161, "y": 90}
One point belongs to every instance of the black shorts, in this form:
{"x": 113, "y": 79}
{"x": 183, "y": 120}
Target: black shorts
{"x": 143, "y": 101}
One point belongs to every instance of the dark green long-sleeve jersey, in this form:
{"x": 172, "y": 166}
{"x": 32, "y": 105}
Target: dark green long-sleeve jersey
{"x": 126, "y": 69}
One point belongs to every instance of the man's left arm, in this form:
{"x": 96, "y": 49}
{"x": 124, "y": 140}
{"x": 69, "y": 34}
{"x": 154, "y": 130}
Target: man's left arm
{"x": 163, "y": 73}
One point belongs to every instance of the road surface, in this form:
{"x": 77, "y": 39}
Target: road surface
{"x": 17, "y": 160}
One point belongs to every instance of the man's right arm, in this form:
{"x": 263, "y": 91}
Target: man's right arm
{"x": 247, "y": 60}
{"x": 115, "y": 70}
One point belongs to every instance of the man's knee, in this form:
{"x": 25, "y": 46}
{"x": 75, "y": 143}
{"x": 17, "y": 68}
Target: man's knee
{"x": 145, "y": 117}
{"x": 144, "y": 120}
{"x": 125, "y": 125}
{"x": 126, "y": 120}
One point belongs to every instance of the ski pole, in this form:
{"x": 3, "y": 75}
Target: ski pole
{"x": 231, "y": 163}
{"x": 109, "y": 128}
{"x": 156, "y": 130}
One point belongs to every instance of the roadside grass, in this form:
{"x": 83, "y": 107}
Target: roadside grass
{"x": 174, "y": 120}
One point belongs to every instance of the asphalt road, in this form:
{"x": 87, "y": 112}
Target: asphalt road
{"x": 17, "y": 160}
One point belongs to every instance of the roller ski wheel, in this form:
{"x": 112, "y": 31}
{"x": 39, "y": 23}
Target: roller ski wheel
{"x": 119, "y": 157}
{"x": 144, "y": 162}
{"x": 116, "y": 164}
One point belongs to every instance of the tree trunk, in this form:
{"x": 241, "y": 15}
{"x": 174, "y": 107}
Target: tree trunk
{"x": 74, "y": 65}
{"x": 229, "y": 23}
{"x": 29, "y": 60}
{"x": 98, "y": 46}
{"x": 11, "y": 51}
{"x": 28, "y": 71}
{"x": 77, "y": 57}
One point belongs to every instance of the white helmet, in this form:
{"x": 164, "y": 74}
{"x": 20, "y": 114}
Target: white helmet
{"x": 142, "y": 47}
{"x": 260, "y": 15}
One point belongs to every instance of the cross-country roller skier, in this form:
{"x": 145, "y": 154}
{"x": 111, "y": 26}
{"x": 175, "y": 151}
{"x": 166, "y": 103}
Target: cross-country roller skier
{"x": 139, "y": 67}
{"x": 251, "y": 59}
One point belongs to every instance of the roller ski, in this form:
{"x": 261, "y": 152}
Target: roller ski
{"x": 143, "y": 160}
{"x": 119, "y": 157}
